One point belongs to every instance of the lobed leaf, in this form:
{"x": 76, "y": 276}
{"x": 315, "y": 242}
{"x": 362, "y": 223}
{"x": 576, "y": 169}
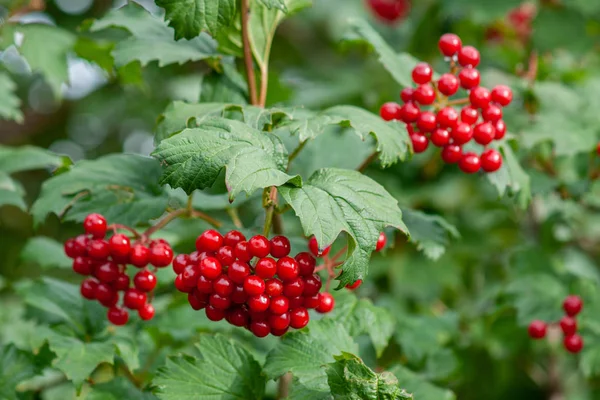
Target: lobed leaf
{"x": 9, "y": 102}
{"x": 16, "y": 366}
{"x": 420, "y": 387}
{"x": 430, "y": 233}
{"x": 45, "y": 252}
{"x": 191, "y": 17}
{"x": 511, "y": 179}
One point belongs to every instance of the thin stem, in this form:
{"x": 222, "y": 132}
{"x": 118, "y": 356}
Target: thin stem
{"x": 362, "y": 167}
{"x": 207, "y": 218}
{"x": 270, "y": 204}
{"x": 340, "y": 253}
{"x": 295, "y": 153}
{"x": 164, "y": 222}
{"x": 283, "y": 391}
{"x": 235, "y": 218}
{"x": 189, "y": 207}
{"x": 245, "y": 14}
{"x": 457, "y": 102}
{"x": 135, "y": 233}
{"x": 129, "y": 375}
{"x": 264, "y": 82}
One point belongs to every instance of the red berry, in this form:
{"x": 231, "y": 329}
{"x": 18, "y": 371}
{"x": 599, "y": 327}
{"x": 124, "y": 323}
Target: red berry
{"x": 484, "y": 133}
{"x": 225, "y": 256}
{"x": 259, "y": 246}
{"x": 210, "y": 268}
{"x": 468, "y": 56}
{"x": 281, "y": 332}
{"x": 491, "y": 160}
{"x": 422, "y": 73}
{"x": 106, "y": 295}
{"x": 502, "y": 95}
{"x": 420, "y": 142}
{"x": 306, "y": 263}
{"x": 299, "y": 318}
{"x": 238, "y": 316}
{"x": 568, "y": 325}
{"x": 214, "y": 314}
{"x": 312, "y": 285}
{"x": 238, "y": 271}
{"x": 492, "y": 113}
{"x": 469, "y": 115}
{"x": 312, "y": 301}
{"x": 254, "y": 285}
{"x": 537, "y": 329}
{"x": 469, "y": 163}
{"x": 218, "y": 301}
{"x": 447, "y": 117}
{"x": 82, "y": 265}
{"x": 273, "y": 287}
{"x": 500, "y": 128}
{"x": 190, "y": 276}
{"x": 210, "y": 240}
{"x": 279, "y": 322}
{"x": 469, "y": 78}
{"x": 389, "y": 11}
{"x": 480, "y": 97}
{"x": 258, "y": 303}
{"x": 233, "y": 237}
{"x": 354, "y": 285}
{"x": 266, "y": 268}
{"x": 180, "y": 262}
{"x": 381, "y": 241}
{"x": 314, "y": 248}
{"x": 462, "y": 133}
{"x": 134, "y": 299}
{"x": 294, "y": 288}
{"x": 449, "y": 44}
{"x": 95, "y": 225}
{"x": 410, "y": 112}
{"x": 139, "y": 255}
{"x": 573, "y": 343}
{"x": 197, "y": 300}
{"x": 223, "y": 285}
{"x": 180, "y": 286}
{"x": 145, "y": 281}
{"x": 390, "y": 111}
{"x": 326, "y": 303}
{"x": 117, "y": 316}
{"x": 107, "y": 272}
{"x": 119, "y": 245}
{"x": 280, "y": 246}
{"x": 424, "y": 94}
{"x": 98, "y": 249}
{"x": 572, "y": 305}
{"x": 259, "y": 328}
{"x": 287, "y": 269}
{"x": 279, "y": 305}
{"x": 80, "y": 245}
{"x": 440, "y": 137}
{"x": 242, "y": 251}
{"x": 451, "y": 154}
{"x": 161, "y": 255}
{"x": 146, "y": 312}
{"x": 427, "y": 121}
{"x": 72, "y": 250}
{"x": 239, "y": 296}
{"x": 448, "y": 84}
{"x": 88, "y": 288}
{"x": 407, "y": 94}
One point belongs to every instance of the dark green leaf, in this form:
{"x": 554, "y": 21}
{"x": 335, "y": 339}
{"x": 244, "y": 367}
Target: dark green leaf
{"x": 423, "y": 335}
{"x": 24, "y": 158}
{"x": 511, "y": 179}
{"x": 16, "y": 366}
{"x": 11, "y": 192}
{"x": 118, "y": 389}
{"x": 572, "y": 33}
{"x": 9, "y": 102}
{"x": 45, "y": 252}
{"x": 419, "y": 386}
{"x": 190, "y": 17}
{"x": 537, "y": 296}
{"x": 431, "y": 233}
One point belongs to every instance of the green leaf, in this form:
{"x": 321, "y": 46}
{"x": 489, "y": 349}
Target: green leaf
{"x": 511, "y": 179}
{"x": 9, "y": 102}
{"x": 400, "y": 66}
{"x": 190, "y": 17}
{"x": 122, "y": 187}
{"x": 118, "y": 389}
{"x": 150, "y": 32}
{"x": 424, "y": 335}
{"x": 45, "y": 48}
{"x": 537, "y": 296}
{"x": 350, "y": 379}
{"x": 304, "y": 353}
{"x": 220, "y": 368}
{"x": 278, "y": 4}
{"x": 252, "y": 159}
{"x": 430, "y": 233}
{"x": 24, "y": 158}
{"x": 45, "y": 252}
{"x": 16, "y": 366}
{"x": 572, "y": 35}
{"x": 99, "y": 52}
{"x": 360, "y": 316}
{"x": 11, "y": 192}
{"x": 336, "y": 200}
{"x": 421, "y": 388}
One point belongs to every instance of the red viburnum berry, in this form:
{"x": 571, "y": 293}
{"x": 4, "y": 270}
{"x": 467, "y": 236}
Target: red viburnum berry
{"x": 447, "y": 118}
{"x": 449, "y": 44}
{"x": 390, "y": 111}
{"x": 119, "y": 245}
{"x": 451, "y": 154}
{"x": 161, "y": 255}
{"x": 242, "y": 251}
{"x": 299, "y": 318}
{"x": 258, "y": 303}
{"x": 410, "y": 112}
{"x": 424, "y": 94}
{"x": 381, "y": 241}
{"x": 259, "y": 328}
{"x": 238, "y": 271}
{"x": 500, "y": 128}
{"x": 146, "y": 312}
{"x": 225, "y": 256}
{"x": 145, "y": 281}
{"x": 326, "y": 303}
{"x": 440, "y": 137}
{"x": 122, "y": 282}
{"x": 537, "y": 329}
{"x": 491, "y": 160}
{"x": 273, "y": 287}
{"x": 88, "y": 288}
{"x": 233, "y": 237}
{"x": 426, "y": 122}
{"x": 469, "y": 163}
{"x": 422, "y": 73}
{"x": 287, "y": 269}
{"x": 484, "y": 133}
{"x": 572, "y": 305}
{"x": 266, "y": 267}
{"x": 210, "y": 268}
{"x": 468, "y": 56}
{"x": 134, "y": 299}
{"x": 106, "y": 295}
{"x": 462, "y": 133}
{"x": 210, "y": 240}
{"x": 568, "y": 325}
{"x": 180, "y": 262}
{"x": 280, "y": 246}
{"x": 223, "y": 285}
{"x": 354, "y": 285}
{"x": 469, "y": 115}
{"x": 312, "y": 285}
{"x": 82, "y": 265}
{"x": 573, "y": 343}
{"x": 407, "y": 94}
{"x": 314, "y": 248}
{"x": 420, "y": 142}
{"x": 293, "y": 288}
{"x": 480, "y": 97}
{"x": 254, "y": 285}
{"x": 259, "y": 246}
{"x": 117, "y": 316}
{"x": 306, "y": 263}
{"x": 95, "y": 225}
{"x": 389, "y": 10}
{"x": 469, "y": 78}
{"x": 448, "y": 84}
{"x": 502, "y": 95}
{"x": 139, "y": 255}
{"x": 107, "y": 272}
{"x": 98, "y": 249}
{"x": 492, "y": 113}
{"x": 220, "y": 302}
{"x": 279, "y": 305}
{"x": 214, "y": 314}
{"x": 279, "y": 322}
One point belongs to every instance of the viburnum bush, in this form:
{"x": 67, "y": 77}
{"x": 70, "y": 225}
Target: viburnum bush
{"x": 255, "y": 199}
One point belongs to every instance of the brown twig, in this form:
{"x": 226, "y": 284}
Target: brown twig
{"x": 245, "y": 15}
{"x": 362, "y": 167}
{"x": 457, "y": 102}
{"x": 135, "y": 233}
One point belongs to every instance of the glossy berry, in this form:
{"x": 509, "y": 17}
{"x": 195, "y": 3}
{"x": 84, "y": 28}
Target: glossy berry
{"x": 238, "y": 317}
{"x": 210, "y": 240}
{"x": 410, "y": 112}
{"x": 95, "y": 225}
{"x": 326, "y": 303}
{"x": 537, "y": 329}
{"x": 420, "y": 142}
{"x": 119, "y": 245}
{"x": 80, "y": 245}
{"x": 502, "y": 95}
{"x": 280, "y": 246}
{"x": 568, "y": 325}
{"x": 238, "y": 296}
{"x": 424, "y": 94}
{"x": 225, "y": 256}
{"x": 210, "y": 268}
{"x": 258, "y": 303}
{"x": 469, "y": 78}
{"x": 259, "y": 328}
{"x": 299, "y": 318}
{"x": 287, "y": 269}
{"x": 469, "y": 115}
{"x": 381, "y": 241}
{"x": 462, "y": 133}
{"x": 161, "y": 255}
{"x": 88, "y": 288}
{"x": 354, "y": 285}
{"x": 306, "y": 263}
{"x": 426, "y": 122}
{"x": 238, "y": 271}
{"x": 492, "y": 113}
{"x": 242, "y": 251}
{"x": 313, "y": 246}
{"x": 279, "y": 305}
{"x": 214, "y": 314}
{"x": 71, "y": 249}
{"x": 312, "y": 285}
{"x": 480, "y": 97}
{"x": 468, "y": 56}
{"x": 449, "y": 44}
{"x": 134, "y": 299}
{"x": 500, "y": 129}
{"x": 407, "y": 94}
{"x": 145, "y": 281}
{"x": 106, "y": 295}
{"x": 469, "y": 163}
{"x": 279, "y": 322}
{"x": 180, "y": 262}
{"x": 98, "y": 249}
{"x": 422, "y": 73}
{"x": 122, "y": 282}
{"x": 223, "y": 286}
{"x": 389, "y": 11}
{"x": 447, "y": 118}
{"x": 266, "y": 267}
{"x": 293, "y": 288}
{"x": 259, "y": 246}
{"x": 117, "y": 316}
{"x": 491, "y": 160}
{"x": 484, "y": 133}
{"x": 254, "y": 285}
{"x": 311, "y": 302}
{"x": 440, "y": 137}
{"x": 273, "y": 287}
{"x": 146, "y": 312}
{"x": 220, "y": 302}
{"x": 572, "y": 305}
{"x": 451, "y": 154}
{"x": 390, "y": 111}
{"x": 82, "y": 266}
{"x": 573, "y": 343}
{"x": 107, "y": 272}
{"x": 448, "y": 84}
{"x": 139, "y": 255}
{"x": 233, "y": 237}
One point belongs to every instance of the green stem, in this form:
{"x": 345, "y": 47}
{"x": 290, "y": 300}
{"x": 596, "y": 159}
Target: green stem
{"x": 362, "y": 167}
{"x": 295, "y": 153}
{"x": 235, "y": 218}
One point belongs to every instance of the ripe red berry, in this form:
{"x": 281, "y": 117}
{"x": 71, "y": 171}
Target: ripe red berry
{"x": 259, "y": 246}
{"x": 440, "y": 137}
{"x": 266, "y": 268}
{"x": 427, "y": 121}
{"x": 242, "y": 251}
{"x": 107, "y": 272}
{"x": 573, "y": 343}
{"x": 223, "y": 286}
{"x": 572, "y": 305}
{"x": 273, "y": 287}
{"x": 502, "y": 95}
{"x": 469, "y": 115}
{"x": 279, "y": 322}
{"x": 480, "y": 97}
{"x": 389, "y": 11}
{"x": 210, "y": 240}
{"x": 469, "y": 163}
{"x": 484, "y": 133}
{"x": 254, "y": 285}
{"x": 80, "y": 245}
{"x": 354, "y": 285}
{"x": 448, "y": 84}
{"x": 72, "y": 250}
{"x": 313, "y": 246}
{"x": 259, "y": 328}
{"x": 180, "y": 262}
{"x": 468, "y": 56}
{"x": 233, "y": 237}
{"x": 214, "y": 314}
{"x": 410, "y": 112}
{"x": 491, "y": 160}
{"x": 190, "y": 275}
{"x": 146, "y": 312}
{"x": 462, "y": 133}
{"x": 537, "y": 329}
{"x": 180, "y": 286}
{"x": 500, "y": 128}
{"x": 469, "y": 78}
{"x": 280, "y": 246}
{"x": 117, "y": 316}
{"x": 449, "y": 44}
{"x": 422, "y": 73}
{"x": 492, "y": 113}
{"x": 238, "y": 316}
{"x": 306, "y": 263}
{"x": 225, "y": 256}
{"x": 95, "y": 225}
{"x": 407, "y": 94}
{"x": 204, "y": 285}
{"x": 326, "y": 303}
{"x": 451, "y": 154}
{"x": 238, "y": 296}
{"x": 161, "y": 255}
{"x": 82, "y": 265}
{"x": 145, "y": 281}
{"x": 447, "y": 117}
{"x": 139, "y": 255}
{"x": 293, "y": 288}
{"x": 88, "y": 288}
{"x": 119, "y": 245}
{"x": 390, "y": 111}
{"x": 312, "y": 285}
{"x": 287, "y": 269}
{"x": 424, "y": 94}
{"x": 568, "y": 325}
{"x": 238, "y": 271}
{"x": 98, "y": 249}
{"x": 420, "y": 142}
{"x": 279, "y": 305}
{"x": 134, "y": 299}
{"x": 299, "y": 318}
{"x": 218, "y": 301}
{"x": 210, "y": 268}
{"x": 197, "y": 300}
{"x": 106, "y": 295}
{"x": 258, "y": 303}
{"x": 381, "y": 241}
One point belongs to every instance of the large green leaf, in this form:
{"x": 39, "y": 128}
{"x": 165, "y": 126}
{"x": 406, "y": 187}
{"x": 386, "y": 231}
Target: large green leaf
{"x": 151, "y": 39}
{"x": 430, "y": 233}
{"x": 118, "y": 389}
{"x": 122, "y": 187}
{"x": 537, "y": 296}
{"x": 336, "y": 200}
{"x": 190, "y": 17}
{"x": 419, "y": 386}
{"x": 45, "y": 252}
{"x": 252, "y": 159}
{"x": 11, "y": 192}
{"x": 279, "y": 4}
{"x": 511, "y": 179}
{"x": 24, "y": 158}
{"x": 45, "y": 48}
{"x": 350, "y": 379}
{"x": 16, "y": 366}
{"x": 572, "y": 35}
{"x": 423, "y": 335}
{"x": 9, "y": 101}
{"x": 220, "y": 368}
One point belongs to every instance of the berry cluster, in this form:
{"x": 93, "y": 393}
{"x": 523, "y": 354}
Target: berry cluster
{"x": 252, "y": 283}
{"x": 105, "y": 261}
{"x": 568, "y": 324}
{"x": 445, "y": 126}
{"x": 389, "y": 11}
